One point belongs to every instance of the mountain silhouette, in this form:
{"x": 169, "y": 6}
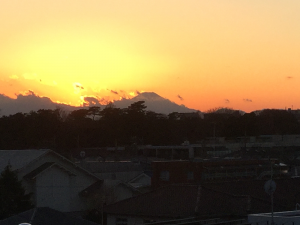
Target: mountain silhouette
{"x": 154, "y": 103}
{"x": 32, "y": 102}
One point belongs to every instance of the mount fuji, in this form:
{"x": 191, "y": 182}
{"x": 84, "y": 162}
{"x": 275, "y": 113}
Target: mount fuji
{"x": 154, "y": 103}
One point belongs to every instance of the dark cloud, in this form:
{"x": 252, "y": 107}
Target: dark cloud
{"x": 27, "y": 102}
{"x": 178, "y": 96}
{"x": 90, "y": 101}
{"x": 30, "y": 101}
{"x": 114, "y": 92}
{"x": 29, "y": 93}
{"x": 247, "y": 100}
{"x": 78, "y": 86}
{"x": 137, "y": 92}
{"x": 24, "y": 103}
{"x": 103, "y": 101}
{"x": 227, "y": 100}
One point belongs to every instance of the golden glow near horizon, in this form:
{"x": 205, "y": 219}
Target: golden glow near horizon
{"x": 203, "y": 54}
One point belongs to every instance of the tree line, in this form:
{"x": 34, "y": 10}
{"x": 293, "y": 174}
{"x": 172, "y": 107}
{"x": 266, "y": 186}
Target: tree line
{"x": 112, "y": 126}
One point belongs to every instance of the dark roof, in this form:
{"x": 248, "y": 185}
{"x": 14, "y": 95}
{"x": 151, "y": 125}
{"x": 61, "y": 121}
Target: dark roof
{"x": 43, "y": 167}
{"x": 45, "y": 216}
{"x": 91, "y": 189}
{"x": 286, "y": 195}
{"x": 182, "y": 201}
{"x": 109, "y": 167}
{"x": 38, "y": 170}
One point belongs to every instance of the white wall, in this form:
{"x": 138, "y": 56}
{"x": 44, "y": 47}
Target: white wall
{"x": 53, "y": 189}
{"x": 67, "y": 186}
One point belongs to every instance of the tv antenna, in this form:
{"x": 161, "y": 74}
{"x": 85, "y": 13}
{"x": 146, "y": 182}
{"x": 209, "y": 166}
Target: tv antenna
{"x": 270, "y": 187}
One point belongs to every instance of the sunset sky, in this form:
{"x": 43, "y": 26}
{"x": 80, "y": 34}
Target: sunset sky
{"x": 242, "y": 54}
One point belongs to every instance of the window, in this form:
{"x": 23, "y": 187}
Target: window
{"x": 164, "y": 175}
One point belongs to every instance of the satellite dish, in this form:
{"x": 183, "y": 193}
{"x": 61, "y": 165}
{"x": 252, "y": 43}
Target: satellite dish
{"x": 270, "y": 187}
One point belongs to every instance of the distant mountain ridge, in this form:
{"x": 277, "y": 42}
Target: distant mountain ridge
{"x": 154, "y": 103}
{"x": 25, "y": 104}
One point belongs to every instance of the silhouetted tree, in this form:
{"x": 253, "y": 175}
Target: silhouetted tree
{"x": 13, "y": 199}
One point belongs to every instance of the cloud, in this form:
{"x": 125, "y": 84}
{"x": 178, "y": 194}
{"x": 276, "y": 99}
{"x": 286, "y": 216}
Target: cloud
{"x": 26, "y": 102}
{"x": 77, "y": 87}
{"x": 137, "y": 92}
{"x": 181, "y": 99}
{"x": 114, "y": 92}
{"x": 14, "y": 77}
{"x": 247, "y": 100}
{"x": 289, "y": 77}
{"x": 227, "y": 100}
{"x": 90, "y": 101}
{"x": 26, "y": 93}
{"x": 30, "y": 76}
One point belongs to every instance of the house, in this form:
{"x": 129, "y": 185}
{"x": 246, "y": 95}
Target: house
{"x": 112, "y": 170}
{"x": 44, "y": 216}
{"x": 195, "y": 172}
{"x": 53, "y": 180}
{"x": 121, "y": 180}
{"x": 176, "y": 202}
{"x": 225, "y": 200}
{"x": 286, "y": 195}
{"x": 141, "y": 182}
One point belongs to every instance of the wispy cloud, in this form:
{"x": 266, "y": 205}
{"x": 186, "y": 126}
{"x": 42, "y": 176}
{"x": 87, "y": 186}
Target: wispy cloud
{"x": 227, "y": 100}
{"x": 247, "y": 100}
{"x": 14, "y": 77}
{"x": 178, "y": 96}
{"x": 30, "y": 76}
{"x": 77, "y": 88}
{"x": 289, "y": 77}
{"x": 114, "y": 92}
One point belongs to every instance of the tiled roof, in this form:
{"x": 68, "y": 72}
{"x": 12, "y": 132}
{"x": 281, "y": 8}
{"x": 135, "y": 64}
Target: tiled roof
{"x": 182, "y": 201}
{"x": 45, "y": 216}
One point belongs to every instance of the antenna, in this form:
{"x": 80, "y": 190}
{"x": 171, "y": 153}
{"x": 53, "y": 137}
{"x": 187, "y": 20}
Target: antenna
{"x": 270, "y": 187}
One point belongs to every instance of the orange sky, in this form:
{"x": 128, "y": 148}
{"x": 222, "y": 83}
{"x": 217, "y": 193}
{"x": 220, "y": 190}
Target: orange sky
{"x": 238, "y": 54}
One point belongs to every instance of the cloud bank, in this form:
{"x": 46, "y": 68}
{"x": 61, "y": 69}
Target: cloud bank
{"x": 30, "y": 101}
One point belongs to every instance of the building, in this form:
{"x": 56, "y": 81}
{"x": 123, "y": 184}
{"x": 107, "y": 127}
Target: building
{"x": 44, "y": 216}
{"x": 224, "y": 201}
{"x": 195, "y": 172}
{"x": 53, "y": 180}
{"x": 181, "y": 202}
